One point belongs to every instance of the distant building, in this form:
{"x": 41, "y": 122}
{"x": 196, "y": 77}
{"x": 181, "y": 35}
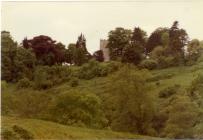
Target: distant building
{"x": 105, "y": 50}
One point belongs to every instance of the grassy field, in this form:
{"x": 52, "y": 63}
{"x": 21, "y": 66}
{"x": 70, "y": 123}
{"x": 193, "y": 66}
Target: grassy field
{"x": 49, "y": 130}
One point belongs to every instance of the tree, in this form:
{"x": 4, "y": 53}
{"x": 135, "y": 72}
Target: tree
{"x": 99, "y": 56}
{"x": 77, "y": 53}
{"x": 8, "y": 53}
{"x": 194, "y": 50}
{"x": 157, "y": 38}
{"x": 131, "y": 106}
{"x": 183, "y": 115}
{"x": 60, "y": 52}
{"x": 118, "y": 40}
{"x": 165, "y": 39}
{"x": 46, "y": 50}
{"x": 69, "y": 53}
{"x": 132, "y": 54}
{"x": 25, "y": 63}
{"x": 78, "y": 108}
{"x": 178, "y": 38}
{"x": 139, "y": 37}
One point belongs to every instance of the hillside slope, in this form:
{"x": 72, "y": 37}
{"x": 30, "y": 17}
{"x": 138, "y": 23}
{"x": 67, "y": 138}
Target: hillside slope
{"x": 161, "y": 79}
{"x": 48, "y": 130}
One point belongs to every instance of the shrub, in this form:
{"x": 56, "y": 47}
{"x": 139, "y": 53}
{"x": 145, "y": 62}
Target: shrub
{"x": 167, "y": 92}
{"x": 165, "y": 62}
{"x": 200, "y": 59}
{"x": 74, "y": 82}
{"x": 8, "y": 135}
{"x": 29, "y": 104}
{"x": 24, "y": 83}
{"x": 48, "y": 76}
{"x": 92, "y": 69}
{"x": 24, "y": 134}
{"x": 77, "y": 108}
{"x": 41, "y": 79}
{"x": 182, "y": 117}
{"x": 148, "y": 64}
{"x": 113, "y": 66}
{"x": 4, "y": 85}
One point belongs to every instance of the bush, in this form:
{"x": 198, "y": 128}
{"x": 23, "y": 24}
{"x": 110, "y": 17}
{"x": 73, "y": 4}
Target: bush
{"x": 92, "y": 69}
{"x": 29, "y": 104}
{"x": 41, "y": 79}
{"x": 113, "y": 66}
{"x": 49, "y": 76}
{"x": 24, "y": 83}
{"x": 74, "y": 82}
{"x": 161, "y": 76}
{"x": 24, "y": 134}
{"x": 148, "y": 64}
{"x": 200, "y": 59}
{"x": 165, "y": 62}
{"x": 183, "y": 115}
{"x": 8, "y": 135}
{"x": 4, "y": 85}
{"x": 77, "y": 108}
{"x": 167, "y": 92}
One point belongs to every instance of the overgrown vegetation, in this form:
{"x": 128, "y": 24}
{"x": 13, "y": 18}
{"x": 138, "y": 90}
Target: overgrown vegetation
{"x": 150, "y": 87}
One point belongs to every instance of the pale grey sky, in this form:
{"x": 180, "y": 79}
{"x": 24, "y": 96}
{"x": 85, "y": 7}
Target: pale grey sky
{"x": 64, "y": 21}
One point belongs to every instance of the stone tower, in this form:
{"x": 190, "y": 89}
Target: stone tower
{"x": 104, "y": 49}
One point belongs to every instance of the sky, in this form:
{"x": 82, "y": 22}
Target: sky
{"x": 65, "y": 21}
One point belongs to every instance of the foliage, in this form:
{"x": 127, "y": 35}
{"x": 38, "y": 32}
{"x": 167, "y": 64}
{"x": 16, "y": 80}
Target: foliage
{"x": 132, "y": 54}
{"x": 24, "y": 83}
{"x": 24, "y": 134}
{"x": 159, "y": 54}
{"x": 194, "y": 51}
{"x": 183, "y": 115}
{"x": 169, "y": 91}
{"x": 48, "y": 76}
{"x": 148, "y": 64}
{"x": 92, "y": 69}
{"x": 8, "y": 135}
{"x": 50, "y": 130}
{"x": 178, "y": 38}
{"x": 157, "y": 38}
{"x": 29, "y": 104}
{"x": 41, "y": 80}
{"x": 133, "y": 107}
{"x": 117, "y": 41}
{"x": 8, "y": 53}
{"x": 76, "y": 108}
{"x": 99, "y": 56}
{"x": 139, "y": 37}
{"x": 74, "y": 82}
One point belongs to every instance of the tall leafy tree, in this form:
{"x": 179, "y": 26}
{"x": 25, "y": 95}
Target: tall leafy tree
{"x": 155, "y": 39}
{"x": 46, "y": 50}
{"x": 133, "y": 53}
{"x": 17, "y": 62}
{"x": 81, "y": 55}
{"x": 178, "y": 38}
{"x": 139, "y": 36}
{"x": 8, "y": 53}
{"x": 118, "y": 40}
{"x": 131, "y": 106}
{"x": 77, "y": 53}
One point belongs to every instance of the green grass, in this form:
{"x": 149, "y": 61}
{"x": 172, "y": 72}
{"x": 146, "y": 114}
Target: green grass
{"x": 50, "y": 130}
